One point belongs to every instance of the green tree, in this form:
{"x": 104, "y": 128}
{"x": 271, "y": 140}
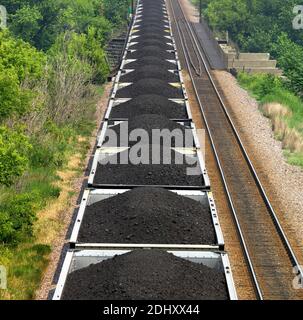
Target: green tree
{"x": 83, "y": 48}
{"x": 19, "y": 63}
{"x": 290, "y": 60}
{"x": 16, "y": 54}
{"x": 26, "y": 23}
{"x": 14, "y": 101}
{"x": 116, "y": 11}
{"x": 231, "y": 15}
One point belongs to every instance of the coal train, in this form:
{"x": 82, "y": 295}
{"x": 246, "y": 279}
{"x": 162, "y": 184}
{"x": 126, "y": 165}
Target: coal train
{"x": 146, "y": 230}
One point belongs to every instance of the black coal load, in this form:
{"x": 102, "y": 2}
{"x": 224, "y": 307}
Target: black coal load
{"x": 150, "y": 86}
{"x": 160, "y": 42}
{"x": 144, "y": 215}
{"x": 147, "y": 27}
{"x": 151, "y": 43}
{"x": 153, "y": 15}
{"x": 153, "y": 7}
{"x": 151, "y": 71}
{"x": 152, "y": 12}
{"x": 152, "y": 2}
{"x": 151, "y": 51}
{"x": 149, "y": 104}
{"x": 149, "y": 165}
{"x": 174, "y": 134}
{"x": 152, "y": 36}
{"x": 151, "y": 20}
{"x": 150, "y": 60}
{"x": 146, "y": 275}
{"x": 151, "y": 29}
{"x": 149, "y": 4}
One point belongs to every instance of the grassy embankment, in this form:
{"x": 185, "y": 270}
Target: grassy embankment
{"x": 283, "y": 108}
{"x": 46, "y": 192}
{"x": 52, "y": 66}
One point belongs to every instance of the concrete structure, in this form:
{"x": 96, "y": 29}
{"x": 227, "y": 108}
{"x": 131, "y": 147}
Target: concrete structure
{"x": 249, "y": 62}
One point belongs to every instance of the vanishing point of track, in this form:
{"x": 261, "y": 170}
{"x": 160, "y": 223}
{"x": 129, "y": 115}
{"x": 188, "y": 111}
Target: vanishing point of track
{"x": 269, "y": 256}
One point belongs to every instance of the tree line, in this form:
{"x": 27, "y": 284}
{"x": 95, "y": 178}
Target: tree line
{"x": 52, "y": 61}
{"x": 262, "y": 26}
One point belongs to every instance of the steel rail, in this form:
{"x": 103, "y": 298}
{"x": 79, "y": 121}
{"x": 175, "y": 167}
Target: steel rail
{"x": 243, "y": 243}
{"x": 266, "y": 200}
{"x": 198, "y": 69}
{"x": 271, "y": 210}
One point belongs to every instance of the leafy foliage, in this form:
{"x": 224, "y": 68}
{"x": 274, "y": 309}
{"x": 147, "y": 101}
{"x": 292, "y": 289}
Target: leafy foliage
{"x": 26, "y": 22}
{"x": 14, "y": 150}
{"x": 290, "y": 60}
{"x": 40, "y": 22}
{"x": 262, "y": 26}
{"x": 17, "y": 216}
{"x": 51, "y": 59}
{"x": 25, "y": 60}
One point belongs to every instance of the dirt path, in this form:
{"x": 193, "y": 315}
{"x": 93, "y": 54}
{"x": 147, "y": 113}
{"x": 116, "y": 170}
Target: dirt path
{"x": 63, "y": 208}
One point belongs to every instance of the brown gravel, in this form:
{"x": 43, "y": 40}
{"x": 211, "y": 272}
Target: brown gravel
{"x": 67, "y": 212}
{"x": 283, "y": 182}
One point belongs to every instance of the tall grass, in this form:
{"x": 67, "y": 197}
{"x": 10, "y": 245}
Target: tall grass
{"x": 26, "y": 260}
{"x": 283, "y": 107}
{"x": 25, "y": 265}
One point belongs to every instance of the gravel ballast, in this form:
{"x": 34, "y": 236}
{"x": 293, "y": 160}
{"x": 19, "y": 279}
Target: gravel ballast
{"x": 148, "y": 215}
{"x": 144, "y": 275}
{"x": 149, "y": 104}
{"x": 283, "y": 182}
{"x": 150, "y": 86}
{"x": 151, "y": 61}
{"x": 172, "y": 170}
{"x": 150, "y": 71}
{"x": 152, "y": 124}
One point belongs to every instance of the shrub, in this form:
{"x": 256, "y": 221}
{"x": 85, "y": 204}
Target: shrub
{"x": 259, "y": 84}
{"x": 84, "y": 51}
{"x": 14, "y": 150}
{"x": 14, "y": 101}
{"x": 16, "y": 54}
{"x": 17, "y": 218}
{"x": 290, "y": 60}
{"x": 50, "y": 146}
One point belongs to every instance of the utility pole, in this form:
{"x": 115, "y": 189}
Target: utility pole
{"x": 200, "y": 11}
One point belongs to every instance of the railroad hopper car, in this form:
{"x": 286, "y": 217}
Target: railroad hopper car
{"x": 142, "y": 226}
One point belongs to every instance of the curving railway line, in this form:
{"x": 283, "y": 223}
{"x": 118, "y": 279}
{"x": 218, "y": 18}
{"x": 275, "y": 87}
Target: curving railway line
{"x": 269, "y": 255}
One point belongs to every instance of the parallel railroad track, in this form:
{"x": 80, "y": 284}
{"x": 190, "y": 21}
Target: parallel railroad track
{"x": 269, "y": 256}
